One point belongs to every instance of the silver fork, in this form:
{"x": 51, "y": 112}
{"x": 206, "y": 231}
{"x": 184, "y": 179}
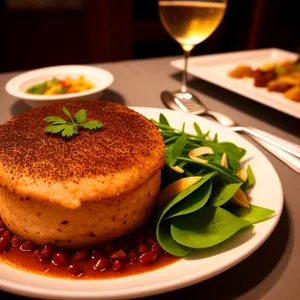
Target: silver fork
{"x": 286, "y": 151}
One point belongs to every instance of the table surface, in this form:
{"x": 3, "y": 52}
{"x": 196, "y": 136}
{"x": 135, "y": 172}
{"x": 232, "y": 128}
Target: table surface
{"x": 272, "y": 272}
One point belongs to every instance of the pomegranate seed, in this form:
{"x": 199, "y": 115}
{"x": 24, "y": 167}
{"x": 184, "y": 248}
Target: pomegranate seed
{"x": 2, "y": 230}
{"x": 157, "y": 248}
{"x": 15, "y": 241}
{"x": 151, "y": 241}
{"x": 102, "y": 264}
{"x": 47, "y": 251}
{"x": 109, "y": 248}
{"x": 2, "y": 223}
{"x": 59, "y": 259}
{"x": 148, "y": 257}
{"x": 117, "y": 265}
{"x": 120, "y": 254}
{"x": 82, "y": 254}
{"x": 28, "y": 246}
{"x": 75, "y": 270}
{"x": 97, "y": 254}
{"x": 4, "y": 244}
{"x": 142, "y": 248}
{"x": 132, "y": 255}
{"x": 140, "y": 239}
{"x": 7, "y": 233}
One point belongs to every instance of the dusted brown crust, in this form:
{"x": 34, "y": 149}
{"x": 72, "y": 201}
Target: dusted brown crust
{"x": 114, "y": 160}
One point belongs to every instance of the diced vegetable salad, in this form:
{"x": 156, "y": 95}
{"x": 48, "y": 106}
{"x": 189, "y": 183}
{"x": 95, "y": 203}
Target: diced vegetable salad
{"x": 56, "y": 86}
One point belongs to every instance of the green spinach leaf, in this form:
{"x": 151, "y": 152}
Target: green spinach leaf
{"x": 166, "y": 241}
{"x": 224, "y": 194}
{"x": 162, "y": 233}
{"x": 163, "y": 120}
{"x": 197, "y": 129}
{"x": 175, "y": 150}
{"x": 225, "y": 173}
{"x": 192, "y": 202}
{"x": 205, "y": 227}
{"x": 254, "y": 214}
{"x": 250, "y": 180}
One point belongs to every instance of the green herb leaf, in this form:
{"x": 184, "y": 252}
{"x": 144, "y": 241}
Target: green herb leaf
{"x": 66, "y": 112}
{"x": 254, "y": 214}
{"x": 91, "y": 125}
{"x": 80, "y": 116}
{"x": 56, "y": 128}
{"x": 68, "y": 129}
{"x": 205, "y": 227}
{"x": 55, "y": 120}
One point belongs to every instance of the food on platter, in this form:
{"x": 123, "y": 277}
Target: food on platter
{"x": 281, "y": 77}
{"x": 55, "y": 86}
{"x": 241, "y": 72}
{"x": 201, "y": 201}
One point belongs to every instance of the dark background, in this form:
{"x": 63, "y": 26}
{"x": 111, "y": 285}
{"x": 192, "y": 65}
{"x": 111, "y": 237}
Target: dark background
{"x": 38, "y": 33}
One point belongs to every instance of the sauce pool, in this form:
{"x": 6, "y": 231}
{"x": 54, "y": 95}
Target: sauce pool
{"x": 135, "y": 253}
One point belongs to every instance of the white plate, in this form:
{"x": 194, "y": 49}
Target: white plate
{"x": 267, "y": 192}
{"x": 18, "y": 85}
{"x": 215, "y": 68}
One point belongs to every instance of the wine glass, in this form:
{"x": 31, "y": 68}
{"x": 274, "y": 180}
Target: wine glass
{"x": 190, "y": 22}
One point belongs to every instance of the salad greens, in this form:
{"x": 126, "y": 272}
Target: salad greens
{"x": 206, "y": 227}
{"x": 204, "y": 214}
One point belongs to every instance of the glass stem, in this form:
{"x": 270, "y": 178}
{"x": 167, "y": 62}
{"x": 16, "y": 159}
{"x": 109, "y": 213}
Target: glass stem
{"x": 185, "y": 74}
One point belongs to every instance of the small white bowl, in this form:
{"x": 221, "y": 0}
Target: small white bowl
{"x": 18, "y": 85}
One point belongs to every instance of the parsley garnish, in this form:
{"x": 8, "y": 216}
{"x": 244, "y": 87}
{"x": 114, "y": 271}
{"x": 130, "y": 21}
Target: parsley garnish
{"x": 67, "y": 129}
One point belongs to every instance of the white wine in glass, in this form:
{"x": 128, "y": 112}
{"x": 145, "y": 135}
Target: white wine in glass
{"x": 190, "y": 23}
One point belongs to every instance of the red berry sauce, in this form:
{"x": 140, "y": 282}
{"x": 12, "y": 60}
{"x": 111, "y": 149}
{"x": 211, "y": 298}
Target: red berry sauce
{"x": 135, "y": 253}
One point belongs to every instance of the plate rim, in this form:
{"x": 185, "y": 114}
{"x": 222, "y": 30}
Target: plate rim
{"x": 240, "y": 91}
{"x": 151, "y": 289}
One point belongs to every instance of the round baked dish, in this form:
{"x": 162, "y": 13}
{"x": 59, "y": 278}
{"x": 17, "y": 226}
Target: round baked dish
{"x": 82, "y": 190}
